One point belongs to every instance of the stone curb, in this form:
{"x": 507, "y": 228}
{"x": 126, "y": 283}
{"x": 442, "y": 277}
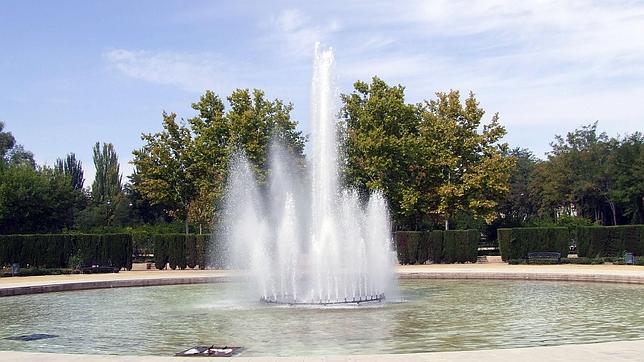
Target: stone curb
{"x": 564, "y": 277}
{"x": 106, "y": 284}
{"x": 63, "y": 286}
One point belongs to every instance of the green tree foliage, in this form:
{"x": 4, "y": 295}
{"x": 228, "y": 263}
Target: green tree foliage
{"x": 383, "y": 148}
{"x": 107, "y": 182}
{"x": 519, "y": 206}
{"x": 7, "y": 141}
{"x": 35, "y": 201}
{"x": 163, "y": 168}
{"x": 430, "y": 160}
{"x": 626, "y": 168}
{"x": 184, "y": 167}
{"x": 108, "y": 206}
{"x": 589, "y": 175}
{"x": 73, "y": 168}
{"x": 12, "y": 153}
{"x": 32, "y": 199}
{"x": 19, "y": 156}
{"x": 475, "y": 172}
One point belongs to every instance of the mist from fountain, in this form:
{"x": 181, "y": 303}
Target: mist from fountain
{"x": 306, "y": 240}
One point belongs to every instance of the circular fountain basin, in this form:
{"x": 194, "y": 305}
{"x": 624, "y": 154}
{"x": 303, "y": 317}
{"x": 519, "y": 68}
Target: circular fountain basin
{"x": 437, "y": 315}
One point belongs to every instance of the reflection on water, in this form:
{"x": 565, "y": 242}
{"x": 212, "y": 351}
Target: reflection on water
{"x": 437, "y": 316}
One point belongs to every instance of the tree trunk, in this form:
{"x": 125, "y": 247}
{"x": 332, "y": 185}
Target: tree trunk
{"x": 612, "y": 209}
{"x": 446, "y": 223}
{"x": 186, "y": 224}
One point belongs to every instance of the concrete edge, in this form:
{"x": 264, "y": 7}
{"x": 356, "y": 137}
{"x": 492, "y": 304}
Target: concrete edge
{"x": 106, "y": 284}
{"x": 435, "y": 274}
{"x": 615, "y": 351}
{"x": 521, "y": 275}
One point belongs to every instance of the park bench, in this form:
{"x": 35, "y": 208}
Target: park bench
{"x": 544, "y": 256}
{"x": 88, "y": 268}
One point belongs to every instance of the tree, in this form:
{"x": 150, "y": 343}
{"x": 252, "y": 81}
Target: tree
{"x": 35, "y": 201}
{"x": 12, "y": 153}
{"x": 107, "y": 182}
{"x": 163, "y": 168}
{"x": 430, "y": 160}
{"x": 72, "y": 168}
{"x": 185, "y": 167}
{"x": 7, "y": 141}
{"x": 254, "y": 122}
{"x": 475, "y": 172}
{"x": 626, "y": 166}
{"x": 381, "y": 144}
{"x": 575, "y": 179}
{"x": 519, "y": 205}
{"x": 108, "y": 205}
{"x": 592, "y": 176}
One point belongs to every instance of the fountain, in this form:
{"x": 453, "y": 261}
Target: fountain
{"x": 305, "y": 240}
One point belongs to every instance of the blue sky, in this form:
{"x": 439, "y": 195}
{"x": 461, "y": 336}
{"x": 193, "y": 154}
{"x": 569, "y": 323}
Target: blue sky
{"x": 76, "y": 72}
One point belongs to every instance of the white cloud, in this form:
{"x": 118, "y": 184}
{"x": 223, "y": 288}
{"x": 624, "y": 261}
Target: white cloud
{"x": 192, "y": 72}
{"x": 294, "y": 33}
{"x": 540, "y": 63}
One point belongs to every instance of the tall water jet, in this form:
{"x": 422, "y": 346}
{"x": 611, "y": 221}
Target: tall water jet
{"x": 314, "y": 242}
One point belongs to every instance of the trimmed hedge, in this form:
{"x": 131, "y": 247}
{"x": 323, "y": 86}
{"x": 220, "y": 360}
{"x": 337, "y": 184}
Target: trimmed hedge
{"x": 516, "y": 243}
{"x": 434, "y": 246}
{"x": 603, "y": 241}
{"x": 417, "y": 247}
{"x": 460, "y": 246}
{"x": 407, "y": 246}
{"x": 63, "y": 250}
{"x": 74, "y": 250}
{"x": 180, "y": 250}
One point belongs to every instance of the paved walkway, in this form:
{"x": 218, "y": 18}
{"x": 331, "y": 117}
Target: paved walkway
{"x": 610, "y": 351}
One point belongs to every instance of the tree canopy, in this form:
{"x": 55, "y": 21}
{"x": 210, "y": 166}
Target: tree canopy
{"x": 185, "y": 166}
{"x": 431, "y": 160}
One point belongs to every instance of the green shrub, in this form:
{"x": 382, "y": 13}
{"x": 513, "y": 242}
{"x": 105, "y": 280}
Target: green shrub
{"x": 56, "y": 250}
{"x": 453, "y": 246}
{"x": 604, "y": 241}
{"x": 504, "y": 236}
{"x": 435, "y": 247}
{"x": 516, "y": 243}
{"x": 160, "y": 251}
{"x": 177, "y": 251}
{"x": 26, "y": 272}
{"x": 460, "y": 246}
{"x": 117, "y": 250}
{"x": 407, "y": 246}
{"x": 191, "y": 251}
{"x": 517, "y": 261}
{"x": 582, "y": 260}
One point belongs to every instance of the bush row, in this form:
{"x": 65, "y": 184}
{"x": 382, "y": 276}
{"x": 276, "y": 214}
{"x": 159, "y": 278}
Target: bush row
{"x": 598, "y": 241}
{"x": 516, "y": 243}
{"x": 181, "y": 250}
{"x": 66, "y": 250}
{"x": 592, "y": 241}
{"x": 437, "y": 246}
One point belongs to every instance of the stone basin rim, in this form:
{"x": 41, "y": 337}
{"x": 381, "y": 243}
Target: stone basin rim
{"x": 49, "y": 284}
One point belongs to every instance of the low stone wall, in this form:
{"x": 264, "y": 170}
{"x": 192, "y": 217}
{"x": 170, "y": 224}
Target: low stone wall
{"x": 567, "y": 273}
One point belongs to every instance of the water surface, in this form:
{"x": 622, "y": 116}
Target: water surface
{"x": 438, "y": 315}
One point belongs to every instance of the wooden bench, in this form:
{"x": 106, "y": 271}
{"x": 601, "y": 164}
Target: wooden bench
{"x": 544, "y": 256}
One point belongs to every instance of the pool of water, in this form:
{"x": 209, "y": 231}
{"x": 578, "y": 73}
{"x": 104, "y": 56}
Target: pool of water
{"x": 437, "y": 315}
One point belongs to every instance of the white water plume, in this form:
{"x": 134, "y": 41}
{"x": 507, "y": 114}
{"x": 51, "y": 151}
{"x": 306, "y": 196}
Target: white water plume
{"x": 309, "y": 241}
